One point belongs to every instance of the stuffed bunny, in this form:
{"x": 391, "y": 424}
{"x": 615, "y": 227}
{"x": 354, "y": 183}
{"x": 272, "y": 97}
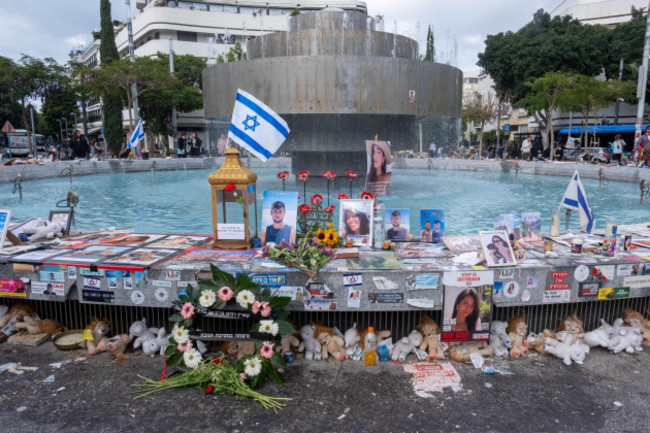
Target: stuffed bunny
{"x": 309, "y": 344}
{"x": 404, "y": 346}
{"x": 499, "y": 339}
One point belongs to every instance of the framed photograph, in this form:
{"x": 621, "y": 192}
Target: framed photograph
{"x": 467, "y": 305}
{"x": 5, "y": 216}
{"x": 355, "y": 221}
{"x": 180, "y": 242}
{"x": 133, "y": 240}
{"x": 497, "y": 248}
{"x": 397, "y": 223}
{"x": 279, "y": 217}
{"x": 35, "y": 257}
{"x": 510, "y": 222}
{"x": 63, "y": 218}
{"x": 90, "y": 254}
{"x": 432, "y": 225}
{"x": 141, "y": 257}
{"x": 379, "y": 173}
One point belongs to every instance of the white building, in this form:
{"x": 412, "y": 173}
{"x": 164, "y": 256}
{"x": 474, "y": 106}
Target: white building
{"x": 605, "y": 12}
{"x": 203, "y": 28}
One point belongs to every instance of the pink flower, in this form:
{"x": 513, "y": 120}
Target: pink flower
{"x": 225, "y": 293}
{"x": 265, "y": 309}
{"x": 342, "y": 195}
{"x": 255, "y": 308}
{"x": 243, "y": 377}
{"x": 187, "y": 311}
{"x": 267, "y": 350}
{"x": 184, "y": 346}
{"x": 316, "y": 199}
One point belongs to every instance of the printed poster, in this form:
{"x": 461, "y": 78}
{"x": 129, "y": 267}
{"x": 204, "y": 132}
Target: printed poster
{"x": 467, "y": 305}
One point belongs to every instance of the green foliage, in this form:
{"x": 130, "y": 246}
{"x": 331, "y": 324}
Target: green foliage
{"x": 430, "y": 55}
{"x": 626, "y": 42}
{"x": 294, "y": 12}
{"x": 235, "y": 53}
{"x": 111, "y": 102}
{"x": 107, "y": 48}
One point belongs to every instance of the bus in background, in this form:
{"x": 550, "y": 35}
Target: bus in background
{"x": 18, "y": 143}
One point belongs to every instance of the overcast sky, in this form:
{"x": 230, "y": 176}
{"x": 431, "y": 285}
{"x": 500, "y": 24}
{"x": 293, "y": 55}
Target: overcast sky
{"x": 52, "y": 28}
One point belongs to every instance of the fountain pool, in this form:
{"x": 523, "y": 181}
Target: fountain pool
{"x": 179, "y": 201}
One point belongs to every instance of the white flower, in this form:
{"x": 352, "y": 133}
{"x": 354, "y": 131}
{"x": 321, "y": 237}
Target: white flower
{"x": 269, "y": 326}
{"x": 208, "y": 297}
{"x": 192, "y": 358}
{"x": 253, "y": 366}
{"x": 245, "y": 297}
{"x": 180, "y": 334}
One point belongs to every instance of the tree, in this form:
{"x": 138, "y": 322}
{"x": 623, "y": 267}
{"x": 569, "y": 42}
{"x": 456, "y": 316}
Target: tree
{"x": 188, "y": 68}
{"x": 111, "y": 101}
{"x": 560, "y": 44}
{"x": 627, "y": 42}
{"x": 546, "y": 95}
{"x": 481, "y": 109}
{"x": 430, "y": 55}
{"x": 235, "y": 53}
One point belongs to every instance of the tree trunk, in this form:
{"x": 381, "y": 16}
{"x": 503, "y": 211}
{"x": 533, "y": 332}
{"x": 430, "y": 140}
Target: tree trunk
{"x": 480, "y": 141}
{"x": 23, "y": 111}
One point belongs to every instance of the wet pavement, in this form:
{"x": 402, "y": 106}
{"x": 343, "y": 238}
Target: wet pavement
{"x": 608, "y": 393}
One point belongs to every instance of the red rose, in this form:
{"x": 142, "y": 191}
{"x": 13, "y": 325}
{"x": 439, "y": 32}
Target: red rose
{"x": 304, "y": 208}
{"x": 316, "y": 199}
{"x": 342, "y": 195}
{"x": 284, "y": 175}
{"x": 229, "y": 187}
{"x": 367, "y": 195}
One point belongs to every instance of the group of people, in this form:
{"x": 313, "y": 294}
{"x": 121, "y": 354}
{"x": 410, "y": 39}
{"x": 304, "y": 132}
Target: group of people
{"x": 191, "y": 146}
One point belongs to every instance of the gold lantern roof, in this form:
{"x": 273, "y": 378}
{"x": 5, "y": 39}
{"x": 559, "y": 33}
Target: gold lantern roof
{"x": 233, "y": 171}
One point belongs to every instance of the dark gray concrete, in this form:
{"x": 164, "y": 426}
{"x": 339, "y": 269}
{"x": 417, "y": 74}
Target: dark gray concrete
{"x": 609, "y": 393}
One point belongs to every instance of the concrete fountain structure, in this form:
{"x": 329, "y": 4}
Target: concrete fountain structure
{"x": 338, "y": 81}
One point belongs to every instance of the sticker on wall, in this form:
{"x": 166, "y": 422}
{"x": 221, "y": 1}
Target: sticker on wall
{"x": 46, "y": 288}
{"x": 581, "y": 273}
{"x": 128, "y": 283}
{"x": 385, "y": 298}
{"x": 137, "y": 297}
{"x": 422, "y": 281}
{"x": 141, "y": 279}
{"x": 503, "y": 274}
{"x": 161, "y": 283}
{"x": 588, "y": 289}
{"x": 625, "y": 270}
{"x": 511, "y": 289}
{"x": 296, "y": 293}
{"x": 497, "y": 290}
{"x": 172, "y": 275}
{"x": 52, "y": 276}
{"x": 183, "y": 284}
{"x": 525, "y": 296}
{"x": 72, "y": 272}
{"x": 531, "y": 282}
{"x": 354, "y": 297}
{"x": 94, "y": 296}
{"x": 25, "y": 267}
{"x": 383, "y": 283}
{"x": 606, "y": 293}
{"x": 603, "y": 273}
{"x": 553, "y": 296}
{"x": 318, "y": 289}
{"x": 161, "y": 294}
{"x": 12, "y": 287}
{"x": 93, "y": 283}
{"x": 319, "y": 304}
{"x": 86, "y": 272}
{"x": 352, "y": 280}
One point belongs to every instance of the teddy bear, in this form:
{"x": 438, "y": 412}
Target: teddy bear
{"x": 138, "y": 328}
{"x": 635, "y": 319}
{"x": 628, "y": 340}
{"x": 98, "y": 340}
{"x": 565, "y": 350}
{"x": 381, "y": 335}
{"x": 598, "y": 337}
{"x": 236, "y": 350}
{"x": 517, "y": 333}
{"x": 403, "y": 347}
{"x": 461, "y": 352}
{"x": 11, "y": 320}
{"x": 330, "y": 344}
{"x": 309, "y": 344}
{"x": 570, "y": 324}
{"x": 430, "y": 338}
{"x": 33, "y": 325}
{"x": 287, "y": 344}
{"x": 499, "y": 339}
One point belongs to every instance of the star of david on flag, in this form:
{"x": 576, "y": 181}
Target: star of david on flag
{"x": 256, "y": 127}
{"x": 138, "y": 134}
{"x": 575, "y": 198}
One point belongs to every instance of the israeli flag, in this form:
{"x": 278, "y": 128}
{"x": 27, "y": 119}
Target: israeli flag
{"x": 138, "y": 134}
{"x": 256, "y": 127}
{"x": 575, "y": 198}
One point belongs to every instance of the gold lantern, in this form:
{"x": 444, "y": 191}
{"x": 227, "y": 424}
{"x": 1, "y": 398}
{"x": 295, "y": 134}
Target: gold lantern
{"x": 233, "y": 202}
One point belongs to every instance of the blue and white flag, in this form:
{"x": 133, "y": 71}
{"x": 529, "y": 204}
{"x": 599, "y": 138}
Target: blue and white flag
{"x": 138, "y": 134}
{"x": 575, "y": 198}
{"x": 256, "y": 127}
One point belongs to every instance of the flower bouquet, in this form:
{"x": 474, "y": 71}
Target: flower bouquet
{"x": 219, "y": 296}
{"x": 310, "y": 253}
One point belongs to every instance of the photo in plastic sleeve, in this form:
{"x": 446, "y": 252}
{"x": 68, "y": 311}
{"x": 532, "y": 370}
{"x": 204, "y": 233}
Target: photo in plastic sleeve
{"x": 497, "y": 248}
{"x": 133, "y": 239}
{"x": 143, "y": 257}
{"x": 90, "y": 254}
{"x": 279, "y": 217}
{"x": 63, "y": 218}
{"x": 180, "y": 242}
{"x": 38, "y": 256}
{"x": 531, "y": 225}
{"x": 355, "y": 221}
{"x": 379, "y": 173}
{"x": 510, "y": 222}
{"x": 462, "y": 243}
{"x": 397, "y": 223}
{"x": 432, "y": 225}
{"x": 466, "y": 313}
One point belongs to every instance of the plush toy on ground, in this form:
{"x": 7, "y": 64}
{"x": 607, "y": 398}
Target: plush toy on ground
{"x": 236, "y": 350}
{"x": 517, "y": 329}
{"x": 499, "y": 339}
{"x": 461, "y": 352}
{"x": 598, "y": 337}
{"x": 10, "y": 322}
{"x": 430, "y": 338}
{"x": 404, "y": 346}
{"x": 563, "y": 349}
{"x": 635, "y": 319}
{"x": 572, "y": 325}
{"x": 330, "y": 344}
{"x": 157, "y": 344}
{"x": 351, "y": 338}
{"x": 309, "y": 344}
{"x": 381, "y": 335}
{"x": 98, "y": 341}
{"x": 34, "y": 325}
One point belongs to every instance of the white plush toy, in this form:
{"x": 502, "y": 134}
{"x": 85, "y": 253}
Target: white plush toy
{"x": 597, "y": 337}
{"x": 404, "y": 346}
{"x": 351, "y": 338}
{"x": 629, "y": 340}
{"x": 44, "y": 230}
{"x": 309, "y": 344}
{"x": 499, "y": 339}
{"x": 155, "y": 345}
{"x": 565, "y": 351}
{"x": 138, "y": 328}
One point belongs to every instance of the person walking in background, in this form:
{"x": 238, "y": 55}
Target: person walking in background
{"x": 617, "y": 148}
{"x": 641, "y": 147}
{"x": 432, "y": 149}
{"x": 526, "y": 146}
{"x": 79, "y": 145}
{"x": 195, "y": 145}
{"x": 181, "y": 143}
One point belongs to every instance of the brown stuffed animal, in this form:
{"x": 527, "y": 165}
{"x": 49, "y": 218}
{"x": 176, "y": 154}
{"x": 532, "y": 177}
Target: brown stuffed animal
{"x": 461, "y": 352}
{"x": 635, "y": 319}
{"x": 36, "y": 326}
{"x": 380, "y": 336}
{"x": 516, "y": 330}
{"x": 330, "y": 344}
{"x": 430, "y": 332}
{"x": 98, "y": 340}
{"x": 570, "y": 324}
{"x": 13, "y": 318}
{"x": 236, "y": 350}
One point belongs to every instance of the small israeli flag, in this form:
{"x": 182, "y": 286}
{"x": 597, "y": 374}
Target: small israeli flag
{"x": 256, "y": 127}
{"x": 575, "y": 198}
{"x": 138, "y": 134}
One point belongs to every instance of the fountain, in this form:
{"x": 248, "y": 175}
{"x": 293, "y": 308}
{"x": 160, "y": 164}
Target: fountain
{"x": 337, "y": 82}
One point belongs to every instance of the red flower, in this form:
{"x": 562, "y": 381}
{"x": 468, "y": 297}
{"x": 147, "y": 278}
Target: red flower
{"x": 329, "y": 174}
{"x": 209, "y": 389}
{"x": 367, "y": 195}
{"x": 342, "y": 195}
{"x": 304, "y": 208}
{"x": 351, "y": 175}
{"x": 229, "y": 187}
{"x": 303, "y": 175}
{"x": 330, "y": 208}
{"x": 316, "y": 199}
{"x": 284, "y": 175}
{"x": 216, "y": 360}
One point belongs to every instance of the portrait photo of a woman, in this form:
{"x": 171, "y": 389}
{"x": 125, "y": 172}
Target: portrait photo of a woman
{"x": 497, "y": 249}
{"x": 379, "y": 174}
{"x": 466, "y": 312}
{"x": 355, "y": 220}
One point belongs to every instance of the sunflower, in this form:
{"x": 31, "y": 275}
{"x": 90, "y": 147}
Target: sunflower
{"x": 321, "y": 235}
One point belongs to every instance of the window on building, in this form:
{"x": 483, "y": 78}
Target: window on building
{"x": 156, "y": 35}
{"x": 187, "y": 36}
